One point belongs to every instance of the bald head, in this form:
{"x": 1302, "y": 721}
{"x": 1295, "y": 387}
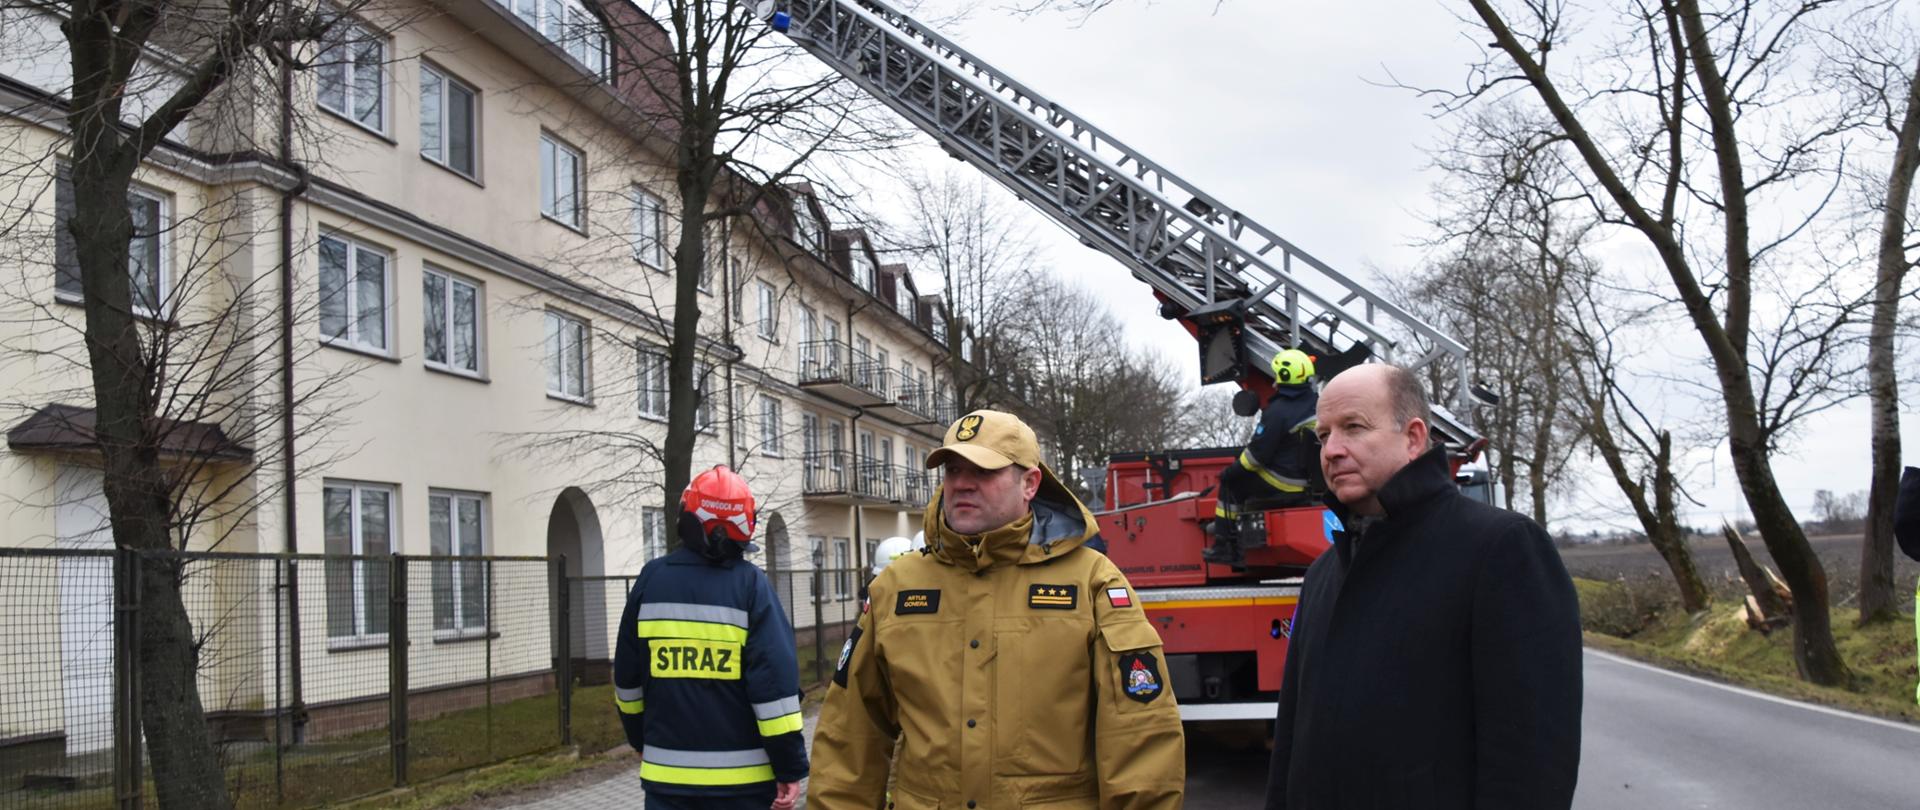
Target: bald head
{"x": 1373, "y": 421}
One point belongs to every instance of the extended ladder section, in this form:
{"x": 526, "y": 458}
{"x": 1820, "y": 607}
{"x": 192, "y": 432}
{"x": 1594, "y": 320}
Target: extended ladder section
{"x": 1195, "y": 252}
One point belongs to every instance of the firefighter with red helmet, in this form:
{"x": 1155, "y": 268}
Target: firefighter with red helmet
{"x": 704, "y": 669}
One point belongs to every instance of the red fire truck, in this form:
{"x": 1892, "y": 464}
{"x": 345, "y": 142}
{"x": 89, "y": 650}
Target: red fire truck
{"x": 1240, "y": 289}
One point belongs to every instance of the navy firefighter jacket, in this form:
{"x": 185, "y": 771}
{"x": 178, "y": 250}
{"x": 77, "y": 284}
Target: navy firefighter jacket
{"x": 706, "y": 679}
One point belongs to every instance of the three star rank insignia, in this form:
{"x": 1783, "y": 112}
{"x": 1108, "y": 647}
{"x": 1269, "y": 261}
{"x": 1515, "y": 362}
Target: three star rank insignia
{"x": 1053, "y": 597}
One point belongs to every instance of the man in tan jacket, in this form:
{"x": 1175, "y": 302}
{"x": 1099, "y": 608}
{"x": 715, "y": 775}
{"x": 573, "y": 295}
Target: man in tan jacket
{"x": 1015, "y": 666}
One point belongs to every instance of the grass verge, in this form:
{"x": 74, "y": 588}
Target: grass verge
{"x": 1717, "y": 644}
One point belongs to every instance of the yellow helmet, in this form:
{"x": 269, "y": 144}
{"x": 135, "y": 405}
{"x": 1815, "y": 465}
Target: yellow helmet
{"x": 1292, "y": 367}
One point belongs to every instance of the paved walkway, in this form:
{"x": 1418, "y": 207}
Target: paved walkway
{"x": 622, "y": 790}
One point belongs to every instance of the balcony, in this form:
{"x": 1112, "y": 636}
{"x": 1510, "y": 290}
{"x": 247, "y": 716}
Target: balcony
{"x": 917, "y": 487}
{"x": 833, "y": 369}
{"x": 835, "y": 477}
{"x": 912, "y": 405}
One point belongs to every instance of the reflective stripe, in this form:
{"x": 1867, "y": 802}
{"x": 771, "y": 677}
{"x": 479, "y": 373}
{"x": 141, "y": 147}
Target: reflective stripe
{"x": 1273, "y": 479}
{"x": 688, "y": 611}
{"x": 704, "y": 759}
{"x": 629, "y": 700}
{"x": 673, "y": 775}
{"x": 1309, "y": 423}
{"x": 707, "y": 631}
{"x": 784, "y": 724}
{"x": 777, "y": 708}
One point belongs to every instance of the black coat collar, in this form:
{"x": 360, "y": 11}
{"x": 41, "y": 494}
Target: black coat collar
{"x": 1422, "y": 480}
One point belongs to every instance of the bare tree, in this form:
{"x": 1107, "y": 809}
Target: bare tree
{"x": 1684, "y": 80}
{"x": 186, "y": 364}
{"x": 982, "y": 247}
{"x": 1094, "y": 395}
{"x": 1637, "y": 449}
{"x": 1893, "y": 94}
{"x": 1207, "y": 419}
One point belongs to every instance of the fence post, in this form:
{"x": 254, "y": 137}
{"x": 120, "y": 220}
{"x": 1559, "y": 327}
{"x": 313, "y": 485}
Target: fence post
{"x": 397, "y": 666}
{"x": 819, "y": 627}
{"x": 563, "y": 646}
{"x": 295, "y": 683}
{"x": 128, "y": 781}
{"x": 280, "y": 566}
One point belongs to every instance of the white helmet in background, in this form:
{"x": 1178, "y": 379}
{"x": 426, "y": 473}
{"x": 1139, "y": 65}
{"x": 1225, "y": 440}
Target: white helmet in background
{"x": 888, "y": 550}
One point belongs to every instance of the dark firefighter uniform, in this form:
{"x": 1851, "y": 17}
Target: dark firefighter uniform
{"x": 1015, "y": 668}
{"x": 707, "y": 684}
{"x": 1274, "y": 460}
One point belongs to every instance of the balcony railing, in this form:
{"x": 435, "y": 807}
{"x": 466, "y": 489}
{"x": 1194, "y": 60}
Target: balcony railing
{"x": 835, "y": 363}
{"x": 837, "y": 474}
{"x": 915, "y": 399}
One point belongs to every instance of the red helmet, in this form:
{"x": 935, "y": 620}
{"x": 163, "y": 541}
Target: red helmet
{"x": 721, "y": 500}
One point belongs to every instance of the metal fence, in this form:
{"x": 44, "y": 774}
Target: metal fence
{"x": 319, "y": 677}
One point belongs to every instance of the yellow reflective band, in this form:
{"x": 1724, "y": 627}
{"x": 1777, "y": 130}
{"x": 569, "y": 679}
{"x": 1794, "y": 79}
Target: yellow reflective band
{"x": 1275, "y": 481}
{"x": 676, "y": 628}
{"x": 674, "y": 775}
{"x": 784, "y": 724}
{"x": 688, "y": 658}
{"x": 631, "y": 706}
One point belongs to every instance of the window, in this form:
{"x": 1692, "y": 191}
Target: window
{"x": 568, "y": 358}
{"x": 146, "y": 249}
{"x": 806, "y": 226}
{"x": 353, "y": 293}
{"x": 653, "y": 382}
{"x": 569, "y": 25}
{"x": 769, "y": 309}
{"x": 738, "y": 281}
{"x": 842, "y": 568}
{"x": 560, "y": 175}
{"x": 873, "y": 548}
{"x": 457, "y": 522}
{"x": 448, "y": 128}
{"x": 649, "y": 228}
{"x": 359, "y": 521}
{"x": 770, "y": 426}
{"x": 653, "y": 529}
{"x": 703, "y": 409}
{"x": 863, "y": 362}
{"x": 452, "y": 322}
{"x": 351, "y": 73}
{"x": 864, "y": 269}
{"x": 715, "y": 247}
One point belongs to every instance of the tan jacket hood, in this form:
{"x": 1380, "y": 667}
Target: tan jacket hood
{"x": 1056, "y": 523}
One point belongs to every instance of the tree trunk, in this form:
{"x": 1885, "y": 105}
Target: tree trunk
{"x": 1666, "y": 536}
{"x": 171, "y": 713}
{"x": 1760, "y": 582}
{"x": 683, "y": 395}
{"x": 1878, "y": 600}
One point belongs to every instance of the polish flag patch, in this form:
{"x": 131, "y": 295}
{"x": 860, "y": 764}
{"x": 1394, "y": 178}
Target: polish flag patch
{"x": 1118, "y": 597}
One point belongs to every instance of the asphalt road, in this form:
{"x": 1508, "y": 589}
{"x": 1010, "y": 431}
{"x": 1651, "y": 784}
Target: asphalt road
{"x": 1656, "y": 741}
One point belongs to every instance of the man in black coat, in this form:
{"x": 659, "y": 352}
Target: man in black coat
{"x": 1435, "y": 657}
{"x": 1906, "y": 515}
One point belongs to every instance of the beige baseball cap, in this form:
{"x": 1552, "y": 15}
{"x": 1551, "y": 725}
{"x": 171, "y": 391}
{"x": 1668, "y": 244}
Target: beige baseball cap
{"x": 989, "y": 439}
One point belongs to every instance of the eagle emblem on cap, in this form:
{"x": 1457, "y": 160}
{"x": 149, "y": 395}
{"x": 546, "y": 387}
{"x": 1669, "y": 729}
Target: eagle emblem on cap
{"x": 969, "y": 428}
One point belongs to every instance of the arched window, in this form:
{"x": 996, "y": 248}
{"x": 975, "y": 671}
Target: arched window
{"x": 571, "y": 25}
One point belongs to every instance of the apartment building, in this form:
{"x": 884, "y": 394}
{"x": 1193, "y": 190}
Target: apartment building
{"x": 479, "y": 214}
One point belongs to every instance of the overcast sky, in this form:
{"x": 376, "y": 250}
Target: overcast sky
{"x": 1276, "y": 107}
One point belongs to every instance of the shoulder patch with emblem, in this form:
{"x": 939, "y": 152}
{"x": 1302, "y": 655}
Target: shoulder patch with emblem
{"x": 917, "y": 602}
{"x": 1118, "y": 597}
{"x": 1140, "y": 676}
{"x": 846, "y": 657}
{"x": 1053, "y": 597}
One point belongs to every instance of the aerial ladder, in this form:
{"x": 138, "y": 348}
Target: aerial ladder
{"x": 1240, "y": 289}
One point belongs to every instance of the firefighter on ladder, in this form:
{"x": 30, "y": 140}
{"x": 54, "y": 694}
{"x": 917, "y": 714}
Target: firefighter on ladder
{"x": 704, "y": 670}
{"x": 1274, "y": 468}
